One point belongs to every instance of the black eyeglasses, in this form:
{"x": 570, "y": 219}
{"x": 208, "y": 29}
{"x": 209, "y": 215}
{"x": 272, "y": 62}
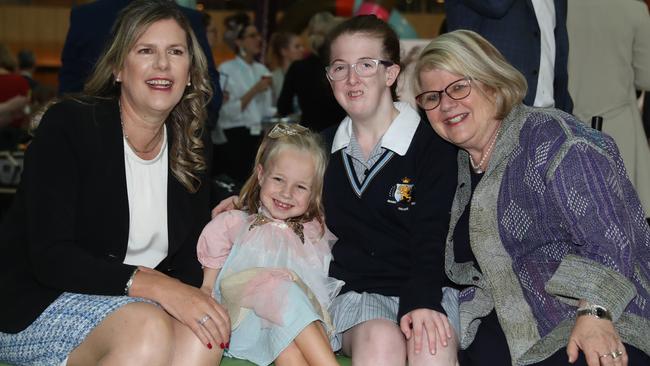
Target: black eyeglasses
{"x": 457, "y": 90}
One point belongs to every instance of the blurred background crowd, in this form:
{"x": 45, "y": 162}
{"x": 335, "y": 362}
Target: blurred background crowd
{"x": 266, "y": 65}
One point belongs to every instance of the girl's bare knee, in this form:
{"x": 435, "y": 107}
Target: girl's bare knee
{"x": 377, "y": 342}
{"x": 444, "y": 356}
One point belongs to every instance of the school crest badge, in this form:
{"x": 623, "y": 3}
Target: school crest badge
{"x": 401, "y": 194}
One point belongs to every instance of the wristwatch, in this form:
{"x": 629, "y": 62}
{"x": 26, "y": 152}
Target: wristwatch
{"x": 594, "y": 310}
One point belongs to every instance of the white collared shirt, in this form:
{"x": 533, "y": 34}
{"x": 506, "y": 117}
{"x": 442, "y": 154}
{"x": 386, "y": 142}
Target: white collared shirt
{"x": 545, "y": 13}
{"x": 398, "y": 136}
{"x": 241, "y": 78}
{"x": 396, "y": 139}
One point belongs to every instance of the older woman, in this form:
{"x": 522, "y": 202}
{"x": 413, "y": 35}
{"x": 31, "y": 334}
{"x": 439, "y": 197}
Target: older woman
{"x": 99, "y": 261}
{"x": 548, "y": 242}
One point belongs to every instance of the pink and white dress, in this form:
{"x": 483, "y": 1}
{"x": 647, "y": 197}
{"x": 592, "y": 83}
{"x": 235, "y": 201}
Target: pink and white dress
{"x": 273, "y": 280}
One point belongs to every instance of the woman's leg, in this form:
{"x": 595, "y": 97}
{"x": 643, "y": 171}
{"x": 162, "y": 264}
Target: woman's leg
{"x": 142, "y": 333}
{"x": 137, "y": 333}
{"x": 188, "y": 349}
{"x": 375, "y": 342}
{"x": 445, "y": 355}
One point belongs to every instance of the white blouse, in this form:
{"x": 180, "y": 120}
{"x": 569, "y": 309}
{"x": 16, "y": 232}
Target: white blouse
{"x": 146, "y": 183}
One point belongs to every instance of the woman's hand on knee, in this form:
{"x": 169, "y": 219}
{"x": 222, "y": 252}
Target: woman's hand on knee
{"x": 192, "y": 307}
{"x": 226, "y": 204}
{"x": 428, "y": 323}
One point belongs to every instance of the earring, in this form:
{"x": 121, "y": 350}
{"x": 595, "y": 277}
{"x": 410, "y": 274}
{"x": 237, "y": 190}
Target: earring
{"x": 118, "y": 80}
{"x": 189, "y": 83}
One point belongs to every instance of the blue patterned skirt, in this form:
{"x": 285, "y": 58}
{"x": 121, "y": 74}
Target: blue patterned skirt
{"x": 59, "y": 329}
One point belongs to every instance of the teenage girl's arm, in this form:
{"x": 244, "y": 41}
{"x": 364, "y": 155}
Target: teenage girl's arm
{"x": 421, "y": 314}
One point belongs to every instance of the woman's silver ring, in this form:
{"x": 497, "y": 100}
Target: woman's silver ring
{"x": 204, "y": 319}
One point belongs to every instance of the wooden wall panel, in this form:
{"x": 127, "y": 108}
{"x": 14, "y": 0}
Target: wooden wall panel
{"x": 43, "y": 30}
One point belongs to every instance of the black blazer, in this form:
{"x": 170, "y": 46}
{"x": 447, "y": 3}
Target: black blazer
{"x": 512, "y": 27}
{"x": 68, "y": 228}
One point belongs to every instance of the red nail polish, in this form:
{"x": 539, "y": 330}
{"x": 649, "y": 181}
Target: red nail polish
{"x": 223, "y": 346}
{"x": 209, "y": 345}
{"x": 227, "y": 344}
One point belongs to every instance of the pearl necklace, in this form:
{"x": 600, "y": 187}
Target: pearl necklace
{"x": 478, "y": 168}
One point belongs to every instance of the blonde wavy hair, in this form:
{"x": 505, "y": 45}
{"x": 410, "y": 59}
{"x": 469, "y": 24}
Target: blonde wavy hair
{"x": 283, "y": 136}
{"x": 187, "y": 119}
{"x": 466, "y": 53}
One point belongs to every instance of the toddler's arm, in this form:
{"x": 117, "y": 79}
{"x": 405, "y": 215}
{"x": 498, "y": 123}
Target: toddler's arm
{"x": 215, "y": 243}
{"x": 209, "y": 278}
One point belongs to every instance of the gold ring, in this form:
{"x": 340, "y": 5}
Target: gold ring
{"x": 616, "y": 354}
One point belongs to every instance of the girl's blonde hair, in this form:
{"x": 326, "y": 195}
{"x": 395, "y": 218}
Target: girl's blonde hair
{"x": 466, "y": 53}
{"x": 283, "y": 136}
{"x": 187, "y": 119}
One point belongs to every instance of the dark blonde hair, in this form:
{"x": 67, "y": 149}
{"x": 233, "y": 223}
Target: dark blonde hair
{"x": 187, "y": 118}
{"x": 283, "y": 136}
{"x": 280, "y": 41}
{"x": 466, "y": 53}
{"x": 371, "y": 26}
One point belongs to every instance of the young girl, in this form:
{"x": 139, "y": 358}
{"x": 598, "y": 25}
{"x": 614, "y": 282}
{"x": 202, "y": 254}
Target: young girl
{"x": 268, "y": 261}
{"x": 388, "y": 192}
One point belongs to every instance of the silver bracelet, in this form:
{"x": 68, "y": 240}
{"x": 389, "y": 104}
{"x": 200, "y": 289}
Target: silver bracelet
{"x": 130, "y": 282}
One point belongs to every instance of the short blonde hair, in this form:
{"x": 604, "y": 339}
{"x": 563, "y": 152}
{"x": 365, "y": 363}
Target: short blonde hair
{"x": 282, "y": 136}
{"x": 466, "y": 53}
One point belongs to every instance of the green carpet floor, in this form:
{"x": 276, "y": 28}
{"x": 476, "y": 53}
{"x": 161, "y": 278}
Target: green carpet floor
{"x": 343, "y": 361}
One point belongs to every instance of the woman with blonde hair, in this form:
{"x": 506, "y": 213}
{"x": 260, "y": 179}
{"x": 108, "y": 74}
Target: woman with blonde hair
{"x": 100, "y": 244}
{"x": 547, "y": 244}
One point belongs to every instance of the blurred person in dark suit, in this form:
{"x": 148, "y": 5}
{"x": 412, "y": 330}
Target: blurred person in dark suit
{"x": 532, "y": 36}
{"x": 90, "y": 25}
{"x": 306, "y": 80}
